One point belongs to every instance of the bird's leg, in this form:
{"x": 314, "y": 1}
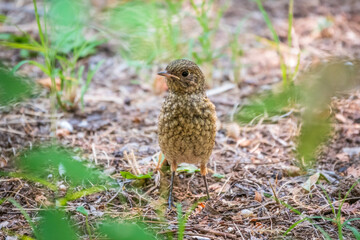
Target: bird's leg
{"x": 173, "y": 167}
{"x": 203, "y": 171}
{"x": 170, "y": 200}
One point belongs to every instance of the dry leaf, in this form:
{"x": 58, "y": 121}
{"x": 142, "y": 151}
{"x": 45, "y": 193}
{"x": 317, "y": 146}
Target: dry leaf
{"x": 3, "y": 162}
{"x": 42, "y": 200}
{"x": 344, "y": 157}
{"x": 46, "y": 82}
{"x": 291, "y": 171}
{"x": 62, "y": 132}
{"x": 258, "y": 197}
{"x": 354, "y": 171}
{"x": 311, "y": 182}
{"x": 232, "y": 130}
{"x": 341, "y": 118}
{"x": 247, "y": 213}
{"x": 243, "y": 142}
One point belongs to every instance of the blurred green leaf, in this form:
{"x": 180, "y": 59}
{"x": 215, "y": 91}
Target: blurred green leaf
{"x": 25, "y": 46}
{"x": 313, "y": 95}
{"x": 128, "y": 175}
{"x": 269, "y": 105}
{"x": 189, "y": 168}
{"x": 2, "y": 18}
{"x": 13, "y": 88}
{"x": 145, "y": 31}
{"x": 55, "y": 160}
{"x": 29, "y": 178}
{"x": 82, "y": 210}
{"x": 313, "y": 133}
{"x": 123, "y": 231}
{"x": 55, "y": 225}
{"x": 25, "y": 214}
{"x": 218, "y": 175}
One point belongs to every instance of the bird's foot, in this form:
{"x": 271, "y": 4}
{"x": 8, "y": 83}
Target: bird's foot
{"x": 170, "y": 203}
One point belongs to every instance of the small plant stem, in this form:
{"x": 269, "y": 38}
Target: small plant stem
{"x": 42, "y": 39}
{"x": 88, "y": 227}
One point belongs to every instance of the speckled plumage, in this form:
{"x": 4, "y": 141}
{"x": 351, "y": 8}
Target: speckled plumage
{"x": 187, "y": 129}
{"x": 187, "y": 121}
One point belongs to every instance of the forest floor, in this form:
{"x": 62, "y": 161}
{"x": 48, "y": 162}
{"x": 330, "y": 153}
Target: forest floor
{"x": 121, "y": 112}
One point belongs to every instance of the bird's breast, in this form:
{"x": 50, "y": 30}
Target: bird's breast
{"x": 187, "y": 127}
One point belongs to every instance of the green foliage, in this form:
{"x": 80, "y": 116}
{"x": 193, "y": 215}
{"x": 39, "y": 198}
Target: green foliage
{"x": 31, "y": 178}
{"x": 314, "y": 131}
{"x": 209, "y": 27}
{"x": 182, "y": 219}
{"x": 128, "y": 175}
{"x": 82, "y": 210}
{"x": 313, "y": 94}
{"x": 337, "y": 220}
{"x": 60, "y": 163}
{"x": 189, "y": 168}
{"x": 269, "y": 105}
{"x": 62, "y": 43}
{"x": 13, "y": 88}
{"x": 287, "y": 77}
{"x": 218, "y": 175}
{"x": 54, "y": 224}
{"x": 146, "y": 31}
{"x": 123, "y": 231}
{"x": 24, "y": 213}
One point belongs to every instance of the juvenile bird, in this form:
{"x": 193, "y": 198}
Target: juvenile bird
{"x": 187, "y": 121}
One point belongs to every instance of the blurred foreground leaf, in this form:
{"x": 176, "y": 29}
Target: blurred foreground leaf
{"x": 55, "y": 225}
{"x": 218, "y": 175}
{"x": 128, "y": 175}
{"x": 59, "y": 162}
{"x": 189, "y": 168}
{"x": 82, "y": 210}
{"x": 13, "y": 88}
{"x": 313, "y": 95}
{"x": 269, "y": 105}
{"x": 123, "y": 231}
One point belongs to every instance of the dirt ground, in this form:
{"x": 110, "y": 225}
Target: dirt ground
{"x": 256, "y": 159}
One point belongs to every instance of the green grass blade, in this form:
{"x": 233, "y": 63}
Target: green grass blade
{"x": 26, "y": 46}
{"x": 354, "y": 231}
{"x": 31, "y": 178}
{"x": 76, "y": 195}
{"x": 350, "y": 220}
{"x": 346, "y": 195}
{"x": 88, "y": 81}
{"x": 39, "y": 65}
{"x": 41, "y": 34}
{"x": 181, "y": 222}
{"x": 325, "y": 234}
{"x": 267, "y": 21}
{"x": 294, "y": 225}
{"x": 24, "y": 213}
{"x": 329, "y": 201}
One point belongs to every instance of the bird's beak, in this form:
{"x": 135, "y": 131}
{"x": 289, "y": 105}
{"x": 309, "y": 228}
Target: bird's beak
{"x": 167, "y": 75}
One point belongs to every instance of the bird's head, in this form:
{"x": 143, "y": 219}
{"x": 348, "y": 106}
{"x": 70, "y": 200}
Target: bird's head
{"x": 184, "y": 77}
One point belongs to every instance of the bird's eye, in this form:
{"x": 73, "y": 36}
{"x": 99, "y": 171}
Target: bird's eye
{"x": 185, "y": 73}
